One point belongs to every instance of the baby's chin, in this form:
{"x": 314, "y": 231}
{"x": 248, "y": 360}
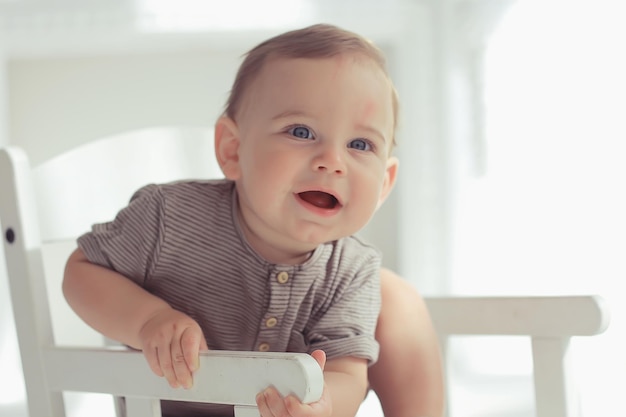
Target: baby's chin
{"x": 316, "y": 239}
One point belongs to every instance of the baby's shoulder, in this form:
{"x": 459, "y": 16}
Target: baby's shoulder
{"x": 187, "y": 196}
{"x": 187, "y": 191}
{"x": 358, "y": 250}
{"x": 207, "y": 188}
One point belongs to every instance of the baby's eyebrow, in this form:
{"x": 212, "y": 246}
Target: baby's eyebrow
{"x": 289, "y": 113}
{"x": 373, "y": 131}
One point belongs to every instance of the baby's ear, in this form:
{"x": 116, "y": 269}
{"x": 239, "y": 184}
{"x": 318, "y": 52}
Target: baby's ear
{"x": 227, "y": 147}
{"x": 391, "y": 173}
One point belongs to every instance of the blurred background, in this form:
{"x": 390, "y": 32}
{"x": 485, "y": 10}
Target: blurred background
{"x": 512, "y": 142}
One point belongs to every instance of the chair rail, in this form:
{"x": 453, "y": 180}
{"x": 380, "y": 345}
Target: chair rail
{"x": 224, "y": 377}
{"x": 544, "y": 316}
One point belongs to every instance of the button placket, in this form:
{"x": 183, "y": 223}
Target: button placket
{"x": 270, "y": 329}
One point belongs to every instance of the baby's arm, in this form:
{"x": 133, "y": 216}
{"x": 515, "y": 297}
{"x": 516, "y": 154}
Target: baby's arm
{"x": 121, "y": 310}
{"x": 345, "y": 385}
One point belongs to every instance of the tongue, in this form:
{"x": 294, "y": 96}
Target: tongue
{"x": 319, "y": 199}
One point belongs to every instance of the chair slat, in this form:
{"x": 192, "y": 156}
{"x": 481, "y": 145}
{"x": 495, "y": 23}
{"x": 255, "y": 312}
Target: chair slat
{"x": 225, "y": 377}
{"x": 549, "y": 316}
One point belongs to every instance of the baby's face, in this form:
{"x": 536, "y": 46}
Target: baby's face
{"x": 314, "y": 154}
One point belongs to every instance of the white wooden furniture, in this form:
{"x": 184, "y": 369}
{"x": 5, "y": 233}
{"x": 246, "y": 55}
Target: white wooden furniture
{"x": 550, "y": 322}
{"x": 43, "y": 208}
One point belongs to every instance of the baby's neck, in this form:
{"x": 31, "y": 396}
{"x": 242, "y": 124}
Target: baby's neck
{"x": 274, "y": 254}
{"x": 287, "y": 259}
{"x": 270, "y": 252}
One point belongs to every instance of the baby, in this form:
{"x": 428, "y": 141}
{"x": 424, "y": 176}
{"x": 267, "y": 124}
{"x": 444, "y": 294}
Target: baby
{"x": 265, "y": 259}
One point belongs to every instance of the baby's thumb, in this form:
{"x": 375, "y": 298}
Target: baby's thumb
{"x": 320, "y": 357}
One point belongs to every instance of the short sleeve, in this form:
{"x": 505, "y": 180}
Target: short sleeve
{"x": 348, "y": 326}
{"x": 130, "y": 243}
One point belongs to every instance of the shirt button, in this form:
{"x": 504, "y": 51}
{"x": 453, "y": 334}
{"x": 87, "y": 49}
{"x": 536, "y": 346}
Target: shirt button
{"x": 282, "y": 277}
{"x": 271, "y": 322}
{"x": 264, "y": 347}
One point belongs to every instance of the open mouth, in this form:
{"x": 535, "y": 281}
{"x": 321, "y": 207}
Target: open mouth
{"x": 320, "y": 199}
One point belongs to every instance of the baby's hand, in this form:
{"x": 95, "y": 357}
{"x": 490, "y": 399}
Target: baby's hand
{"x": 171, "y": 342}
{"x": 272, "y": 404}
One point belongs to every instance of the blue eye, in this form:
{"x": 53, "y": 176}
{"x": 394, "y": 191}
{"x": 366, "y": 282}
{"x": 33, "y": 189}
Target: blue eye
{"x": 301, "y": 132}
{"x": 360, "y": 145}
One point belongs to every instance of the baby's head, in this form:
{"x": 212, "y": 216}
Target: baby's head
{"x": 317, "y": 41}
{"x": 307, "y": 136}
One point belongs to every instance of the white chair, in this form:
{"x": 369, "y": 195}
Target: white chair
{"x": 549, "y": 322}
{"x": 82, "y": 187}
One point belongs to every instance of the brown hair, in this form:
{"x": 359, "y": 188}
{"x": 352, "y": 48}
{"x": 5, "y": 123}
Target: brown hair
{"x": 317, "y": 41}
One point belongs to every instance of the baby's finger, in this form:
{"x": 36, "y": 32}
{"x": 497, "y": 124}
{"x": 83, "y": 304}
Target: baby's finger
{"x": 261, "y": 403}
{"x": 181, "y": 369}
{"x": 190, "y": 342}
{"x": 165, "y": 362}
{"x": 275, "y": 403}
{"x": 322, "y": 407}
{"x": 153, "y": 361}
{"x": 296, "y": 408}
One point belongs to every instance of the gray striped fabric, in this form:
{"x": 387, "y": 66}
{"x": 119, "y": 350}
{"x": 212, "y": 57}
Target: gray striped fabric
{"x": 182, "y": 242}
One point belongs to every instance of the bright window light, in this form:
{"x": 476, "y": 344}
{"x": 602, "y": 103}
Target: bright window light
{"x": 549, "y": 217}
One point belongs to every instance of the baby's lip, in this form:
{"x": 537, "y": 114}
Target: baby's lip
{"x": 321, "y": 199}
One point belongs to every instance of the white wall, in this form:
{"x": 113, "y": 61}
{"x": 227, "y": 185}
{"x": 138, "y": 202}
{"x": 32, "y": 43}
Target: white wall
{"x": 77, "y": 99}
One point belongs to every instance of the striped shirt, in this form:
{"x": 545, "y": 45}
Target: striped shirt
{"x": 183, "y": 242}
